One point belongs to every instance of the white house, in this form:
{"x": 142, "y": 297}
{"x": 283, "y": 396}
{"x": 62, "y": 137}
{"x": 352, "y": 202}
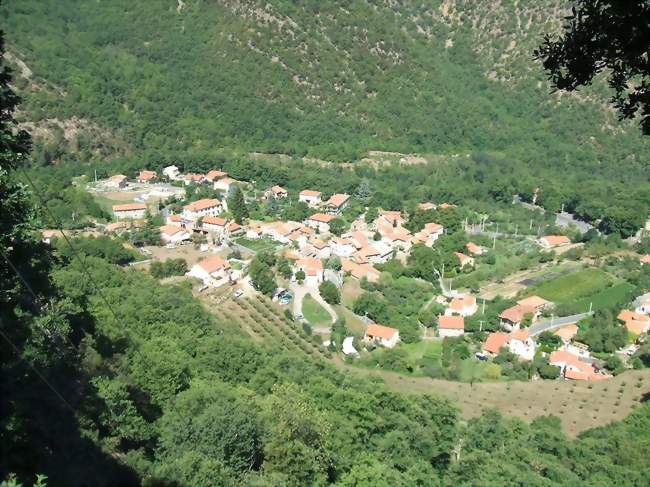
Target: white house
{"x": 129, "y": 211}
{"x": 462, "y": 305}
{"x": 227, "y": 185}
{"x": 522, "y": 345}
{"x": 429, "y": 234}
{"x": 313, "y": 269}
{"x": 359, "y": 271}
{"x": 384, "y": 335}
{"x": 320, "y": 221}
{"x": 173, "y": 234}
{"x": 171, "y": 172}
{"x": 571, "y": 367}
{"x": 451, "y": 326}
{"x": 213, "y": 271}
{"x": 312, "y": 198}
{"x": 201, "y": 208}
{"x": 214, "y": 224}
{"x": 117, "y": 181}
{"x": 337, "y": 203}
{"x": 342, "y": 247}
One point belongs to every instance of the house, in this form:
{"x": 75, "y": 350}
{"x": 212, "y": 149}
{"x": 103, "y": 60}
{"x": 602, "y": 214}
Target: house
{"x": 427, "y": 206}
{"x": 553, "y": 241}
{"x": 191, "y": 178}
{"x": 279, "y": 231}
{"x": 462, "y": 305}
{"x": 227, "y": 185}
{"x": 312, "y": 198}
{"x": 377, "y": 253}
{"x": 429, "y": 234}
{"x": 512, "y": 317}
{"x": 171, "y": 172}
{"x": 129, "y": 211}
{"x": 398, "y": 237}
{"x": 521, "y": 344}
{"x": 384, "y": 335}
{"x": 391, "y": 217}
{"x": 213, "y": 271}
{"x": 146, "y": 177}
{"x": 451, "y": 326}
{"x": 645, "y": 259}
{"x": 118, "y": 181}
{"x": 320, "y": 221}
{"x": 214, "y": 224}
{"x": 535, "y": 303}
{"x": 359, "y": 271}
{"x": 202, "y": 208}
{"x": 214, "y": 175}
{"x": 313, "y": 269}
{"x": 342, "y": 247}
{"x": 337, "y": 203}
{"x": 173, "y": 234}
{"x": 277, "y": 192}
{"x": 567, "y": 332}
{"x": 495, "y": 342}
{"x": 235, "y": 228}
{"x": 176, "y": 220}
{"x": 315, "y": 247}
{"x": 465, "y": 260}
{"x": 636, "y": 323}
{"x": 474, "y": 249}
{"x": 571, "y": 367}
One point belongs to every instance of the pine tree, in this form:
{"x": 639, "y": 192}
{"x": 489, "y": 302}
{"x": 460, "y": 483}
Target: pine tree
{"x": 237, "y": 205}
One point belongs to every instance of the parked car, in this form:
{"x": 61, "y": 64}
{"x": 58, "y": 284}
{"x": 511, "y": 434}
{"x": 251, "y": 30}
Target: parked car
{"x": 238, "y": 293}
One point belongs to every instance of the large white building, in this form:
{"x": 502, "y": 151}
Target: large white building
{"x": 213, "y": 271}
{"x": 129, "y": 211}
{"x": 311, "y": 197}
{"x": 320, "y": 221}
{"x": 201, "y": 208}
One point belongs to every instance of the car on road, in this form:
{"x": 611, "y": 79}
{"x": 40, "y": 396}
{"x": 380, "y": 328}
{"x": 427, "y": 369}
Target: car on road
{"x": 238, "y": 294}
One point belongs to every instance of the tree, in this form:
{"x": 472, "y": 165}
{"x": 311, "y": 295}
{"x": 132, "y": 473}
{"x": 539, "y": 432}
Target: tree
{"x": 548, "y": 341}
{"x": 329, "y": 292}
{"x": 300, "y": 276}
{"x": 237, "y": 205}
{"x": 262, "y": 277}
{"x": 371, "y": 214}
{"x": 337, "y": 226}
{"x": 604, "y": 36}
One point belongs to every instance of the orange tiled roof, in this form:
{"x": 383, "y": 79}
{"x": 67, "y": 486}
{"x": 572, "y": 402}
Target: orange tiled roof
{"x": 203, "y": 204}
{"x": 338, "y": 199}
{"x": 130, "y": 207}
{"x": 215, "y": 220}
{"x": 380, "y": 331}
{"x": 451, "y": 322}
{"x": 495, "y": 341}
{"x": 554, "y": 240}
{"x": 310, "y": 192}
{"x": 322, "y": 217}
{"x": 214, "y": 263}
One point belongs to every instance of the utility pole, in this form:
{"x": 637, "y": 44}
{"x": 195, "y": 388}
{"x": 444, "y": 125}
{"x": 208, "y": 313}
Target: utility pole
{"x": 95, "y": 175}
{"x": 483, "y": 310}
{"x": 590, "y": 305}
{"x": 494, "y": 241}
{"x": 516, "y": 229}
{"x": 530, "y": 227}
{"x": 480, "y": 322}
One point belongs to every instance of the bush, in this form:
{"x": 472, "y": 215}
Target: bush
{"x": 329, "y": 292}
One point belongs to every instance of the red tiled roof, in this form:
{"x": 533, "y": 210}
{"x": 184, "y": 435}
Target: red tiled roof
{"x": 203, "y": 204}
{"x": 146, "y": 175}
{"x": 322, "y": 217}
{"x": 278, "y": 190}
{"x": 381, "y": 331}
{"x": 130, "y": 207}
{"x": 214, "y": 263}
{"x": 521, "y": 335}
{"x": 215, "y": 220}
{"x": 554, "y": 240}
{"x": 473, "y": 248}
{"x": 567, "y": 332}
{"x": 534, "y": 302}
{"x": 310, "y": 266}
{"x": 338, "y": 199}
{"x": 170, "y": 229}
{"x": 451, "y": 322}
{"x": 215, "y": 174}
{"x": 495, "y": 341}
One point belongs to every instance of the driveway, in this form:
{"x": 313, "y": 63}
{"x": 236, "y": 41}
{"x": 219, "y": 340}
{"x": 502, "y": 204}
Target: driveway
{"x": 299, "y": 292}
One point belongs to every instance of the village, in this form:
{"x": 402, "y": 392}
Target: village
{"x": 350, "y": 253}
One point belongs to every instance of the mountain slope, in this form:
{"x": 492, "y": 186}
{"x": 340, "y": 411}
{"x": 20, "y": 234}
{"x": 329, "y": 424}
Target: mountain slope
{"x": 328, "y": 79}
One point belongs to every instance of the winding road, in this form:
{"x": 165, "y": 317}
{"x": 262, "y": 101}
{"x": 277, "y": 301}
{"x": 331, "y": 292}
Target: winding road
{"x": 555, "y": 323}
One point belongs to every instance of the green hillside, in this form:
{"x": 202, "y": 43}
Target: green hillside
{"x": 195, "y": 81}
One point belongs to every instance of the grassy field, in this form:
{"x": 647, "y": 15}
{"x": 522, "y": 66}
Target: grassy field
{"x": 609, "y": 297}
{"x": 314, "y": 313}
{"x": 579, "y": 406}
{"x": 584, "y": 284}
{"x": 351, "y": 290}
{"x": 352, "y": 321}
{"x": 256, "y": 245}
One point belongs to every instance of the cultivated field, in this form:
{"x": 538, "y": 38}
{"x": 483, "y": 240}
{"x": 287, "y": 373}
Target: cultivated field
{"x": 580, "y": 405}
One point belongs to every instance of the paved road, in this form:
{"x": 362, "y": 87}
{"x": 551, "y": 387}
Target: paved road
{"x": 555, "y": 323}
{"x": 565, "y": 219}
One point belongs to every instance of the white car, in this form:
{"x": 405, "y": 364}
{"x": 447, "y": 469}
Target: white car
{"x": 238, "y": 294}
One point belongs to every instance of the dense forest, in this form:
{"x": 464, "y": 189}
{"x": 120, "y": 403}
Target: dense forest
{"x": 164, "y": 82}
